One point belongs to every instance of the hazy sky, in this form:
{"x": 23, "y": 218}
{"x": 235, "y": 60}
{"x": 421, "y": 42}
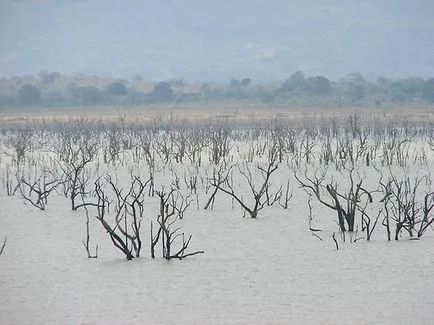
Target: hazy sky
{"x": 204, "y": 40}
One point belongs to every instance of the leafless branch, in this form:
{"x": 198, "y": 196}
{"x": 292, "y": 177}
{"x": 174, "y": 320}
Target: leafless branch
{"x": 3, "y": 246}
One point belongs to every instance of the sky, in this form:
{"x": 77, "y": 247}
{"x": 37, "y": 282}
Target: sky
{"x": 217, "y": 40}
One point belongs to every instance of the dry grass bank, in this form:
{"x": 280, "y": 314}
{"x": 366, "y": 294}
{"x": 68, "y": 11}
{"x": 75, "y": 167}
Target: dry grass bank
{"x": 195, "y": 113}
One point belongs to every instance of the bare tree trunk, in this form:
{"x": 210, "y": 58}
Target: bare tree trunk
{"x": 86, "y": 243}
{"x": 3, "y": 246}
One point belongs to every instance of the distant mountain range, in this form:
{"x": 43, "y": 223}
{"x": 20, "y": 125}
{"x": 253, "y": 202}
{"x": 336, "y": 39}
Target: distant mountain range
{"x": 217, "y": 40}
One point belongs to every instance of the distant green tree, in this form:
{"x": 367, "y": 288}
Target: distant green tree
{"x": 117, "y": 88}
{"x": 296, "y": 82}
{"x": 88, "y": 95}
{"x": 356, "y": 87}
{"x": 234, "y": 90}
{"x": 264, "y": 95}
{"x": 245, "y": 82}
{"x": 205, "y": 90}
{"x": 412, "y": 86}
{"x": 49, "y": 77}
{"x": 29, "y": 95}
{"x": 234, "y": 83}
{"x": 162, "y": 92}
{"x": 137, "y": 78}
{"x": 6, "y": 100}
{"x": 396, "y": 91}
{"x": 177, "y": 82}
{"x": 382, "y": 81}
{"x": 53, "y": 98}
{"x": 428, "y": 90}
{"x": 319, "y": 86}
{"x": 138, "y": 97}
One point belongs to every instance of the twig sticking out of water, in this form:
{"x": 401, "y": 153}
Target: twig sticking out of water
{"x": 336, "y": 242}
{"x": 4, "y": 245}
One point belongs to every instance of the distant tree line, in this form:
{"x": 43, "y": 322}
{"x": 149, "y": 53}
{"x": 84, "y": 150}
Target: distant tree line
{"x": 52, "y": 89}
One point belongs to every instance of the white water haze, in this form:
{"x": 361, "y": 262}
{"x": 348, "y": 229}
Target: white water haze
{"x": 273, "y": 269}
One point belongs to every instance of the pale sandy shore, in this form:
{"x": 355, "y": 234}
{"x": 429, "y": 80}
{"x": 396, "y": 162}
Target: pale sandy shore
{"x": 209, "y": 113}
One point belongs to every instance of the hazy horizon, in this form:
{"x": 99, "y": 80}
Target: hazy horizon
{"x": 216, "y": 41}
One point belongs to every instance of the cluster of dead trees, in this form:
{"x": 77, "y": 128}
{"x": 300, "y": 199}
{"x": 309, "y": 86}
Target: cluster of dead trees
{"x": 336, "y": 141}
{"x": 260, "y": 189}
{"x": 168, "y": 231}
{"x": 403, "y": 204}
{"x": 242, "y": 161}
{"x": 121, "y": 212}
{"x": 409, "y": 205}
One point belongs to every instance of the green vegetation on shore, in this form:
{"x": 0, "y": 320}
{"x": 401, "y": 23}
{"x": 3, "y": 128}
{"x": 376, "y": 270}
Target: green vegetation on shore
{"x": 52, "y": 89}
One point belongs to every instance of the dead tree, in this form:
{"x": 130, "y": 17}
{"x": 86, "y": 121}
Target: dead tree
{"x": 86, "y": 242}
{"x": 180, "y": 203}
{"x": 288, "y": 196}
{"x": 75, "y": 179}
{"x": 41, "y": 187}
{"x": 335, "y": 241}
{"x": 117, "y": 240}
{"x": 284, "y": 137}
{"x": 12, "y": 184}
{"x": 190, "y": 181}
{"x": 306, "y": 147}
{"x": 261, "y": 196}
{"x": 219, "y": 144}
{"x": 427, "y": 218}
{"x": 220, "y": 176}
{"x": 362, "y": 145}
{"x": 326, "y": 155}
{"x": 145, "y": 144}
{"x": 310, "y": 218}
{"x": 403, "y": 207}
{"x": 431, "y": 142}
{"x": 128, "y": 214}
{"x": 20, "y": 142}
{"x": 3, "y": 246}
{"x": 386, "y": 220}
{"x": 163, "y": 147}
{"x": 167, "y": 230}
{"x": 151, "y": 187}
{"x": 195, "y": 145}
{"x": 367, "y": 223}
{"x": 345, "y": 153}
{"x": 180, "y": 140}
{"x": 385, "y": 201}
{"x": 111, "y": 154}
{"x": 352, "y": 199}
{"x": 155, "y": 239}
{"x": 273, "y": 164}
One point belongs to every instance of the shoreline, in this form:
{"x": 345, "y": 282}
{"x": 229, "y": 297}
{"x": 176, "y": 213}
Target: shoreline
{"x": 207, "y": 113}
